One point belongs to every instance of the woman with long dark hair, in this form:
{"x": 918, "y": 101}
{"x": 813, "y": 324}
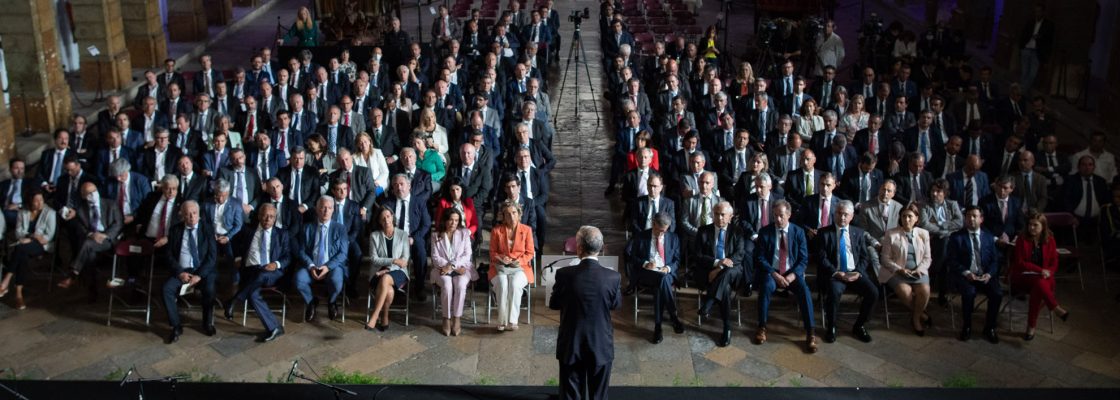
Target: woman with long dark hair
{"x": 1033, "y": 264}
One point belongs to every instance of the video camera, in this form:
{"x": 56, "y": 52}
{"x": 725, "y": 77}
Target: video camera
{"x": 813, "y": 28}
{"x": 577, "y": 16}
{"x": 873, "y": 26}
{"x": 767, "y": 30}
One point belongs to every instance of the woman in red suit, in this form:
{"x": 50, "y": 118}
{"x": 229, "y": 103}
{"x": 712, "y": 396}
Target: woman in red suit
{"x": 452, "y": 197}
{"x": 1032, "y": 269}
{"x": 641, "y": 140}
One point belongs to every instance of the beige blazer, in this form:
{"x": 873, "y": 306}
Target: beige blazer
{"x": 892, "y": 257}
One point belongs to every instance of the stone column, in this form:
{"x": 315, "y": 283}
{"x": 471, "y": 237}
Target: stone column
{"x": 143, "y": 33}
{"x": 186, "y": 21}
{"x": 7, "y": 137}
{"x": 34, "y": 69}
{"x": 98, "y": 23}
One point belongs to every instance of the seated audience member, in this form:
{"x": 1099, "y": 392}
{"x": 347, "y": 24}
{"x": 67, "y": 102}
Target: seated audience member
{"x": 820, "y": 208}
{"x": 756, "y": 212}
{"x": 699, "y": 209}
{"x": 100, "y": 221}
{"x": 128, "y": 189}
{"x": 904, "y": 262}
{"x": 320, "y": 251}
{"x": 429, "y": 160}
{"x": 300, "y": 180}
{"x": 245, "y": 182}
{"x": 1085, "y": 191}
{"x": 226, "y": 218}
{"x": 969, "y": 185}
{"x": 192, "y": 260}
{"x": 643, "y": 140}
{"x": 780, "y": 260}
{"x": 1030, "y": 186}
{"x": 653, "y": 259}
{"x": 1003, "y": 213}
{"x": 390, "y": 256}
{"x": 511, "y": 254}
{"x": 913, "y": 183}
{"x": 318, "y": 156}
{"x": 803, "y": 182}
{"x": 36, "y": 225}
{"x": 191, "y": 186}
{"x": 635, "y": 182}
{"x": 861, "y": 183}
{"x": 412, "y": 217}
{"x": 265, "y": 260}
{"x": 369, "y": 156}
{"x": 880, "y": 214}
{"x": 348, "y": 214}
{"x": 642, "y": 211}
{"x": 452, "y": 268}
{"x": 217, "y": 158}
{"x": 723, "y": 265}
{"x": 941, "y": 217}
{"x": 1104, "y": 161}
{"x": 843, "y": 263}
{"x": 12, "y": 189}
{"x": 1033, "y": 265}
{"x": 973, "y": 262}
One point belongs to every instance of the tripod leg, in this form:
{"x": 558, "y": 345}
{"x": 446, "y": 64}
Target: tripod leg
{"x": 598, "y": 119}
{"x": 564, "y": 79}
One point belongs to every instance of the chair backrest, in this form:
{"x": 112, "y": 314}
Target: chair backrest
{"x": 570, "y": 245}
{"x": 1061, "y": 220}
{"x": 133, "y": 247}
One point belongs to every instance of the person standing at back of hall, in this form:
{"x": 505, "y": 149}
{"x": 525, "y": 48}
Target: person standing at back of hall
{"x": 585, "y": 295}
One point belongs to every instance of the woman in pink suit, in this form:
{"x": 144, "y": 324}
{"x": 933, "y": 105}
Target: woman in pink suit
{"x": 452, "y": 268}
{"x": 904, "y": 266}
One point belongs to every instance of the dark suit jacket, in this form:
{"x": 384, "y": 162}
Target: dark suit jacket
{"x": 849, "y": 184}
{"x": 957, "y": 184}
{"x": 911, "y": 140}
{"x": 101, "y": 163}
{"x": 182, "y": 107}
{"x": 176, "y": 78}
{"x": 1073, "y": 189}
{"x": 62, "y": 194}
{"x": 200, "y": 80}
{"x": 480, "y": 183}
{"x": 345, "y": 136}
{"x": 421, "y": 181}
{"x": 766, "y": 250}
{"x": 147, "y": 164}
{"x": 207, "y": 250}
{"x": 279, "y": 247}
{"x": 638, "y": 251}
{"x": 737, "y": 246}
{"x": 47, "y": 160}
{"x": 936, "y": 166}
{"x": 585, "y": 294}
{"x": 309, "y": 184}
{"x": 275, "y": 157}
{"x": 361, "y": 185}
{"x": 209, "y": 163}
{"x": 849, "y": 157}
{"x": 809, "y": 217}
{"x": 1043, "y": 42}
{"x": 263, "y": 123}
{"x": 111, "y": 218}
{"x": 148, "y": 208}
{"x": 287, "y": 217}
{"x": 232, "y": 217}
{"x": 419, "y": 221}
{"x": 828, "y": 251}
{"x": 761, "y": 133}
{"x": 138, "y": 188}
{"x": 993, "y": 221}
{"x": 390, "y": 143}
{"x": 192, "y": 144}
{"x": 749, "y": 217}
{"x": 795, "y": 186}
{"x": 639, "y": 209}
{"x": 905, "y": 185}
{"x": 958, "y": 257}
{"x": 252, "y": 184}
{"x": 862, "y": 142}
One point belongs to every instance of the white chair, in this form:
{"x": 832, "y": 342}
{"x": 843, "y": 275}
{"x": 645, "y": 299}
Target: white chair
{"x": 526, "y": 305}
{"x": 275, "y": 291}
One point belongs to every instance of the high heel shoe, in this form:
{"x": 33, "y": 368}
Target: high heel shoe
{"x": 1028, "y": 336}
{"x": 447, "y": 327}
{"x": 919, "y": 331}
{"x": 927, "y": 321}
{"x": 456, "y": 327}
{"x": 1064, "y": 317}
{"x": 3, "y": 292}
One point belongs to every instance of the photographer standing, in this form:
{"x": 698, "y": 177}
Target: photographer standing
{"x": 830, "y": 49}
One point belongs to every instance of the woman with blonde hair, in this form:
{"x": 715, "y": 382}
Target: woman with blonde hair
{"x": 366, "y": 155}
{"x": 809, "y": 121}
{"x": 855, "y": 117}
{"x": 304, "y": 30}
{"x": 511, "y": 254}
{"x": 435, "y": 136}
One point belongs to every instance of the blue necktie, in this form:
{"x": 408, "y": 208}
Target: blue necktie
{"x": 924, "y": 144}
{"x": 322, "y": 258}
{"x": 719, "y": 245}
{"x": 843, "y": 246}
{"x": 332, "y": 139}
{"x": 192, "y": 246}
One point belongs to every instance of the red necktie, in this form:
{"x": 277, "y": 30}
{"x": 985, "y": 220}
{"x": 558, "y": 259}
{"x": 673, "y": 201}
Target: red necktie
{"x": 283, "y": 135}
{"x": 346, "y": 119}
{"x": 163, "y": 220}
{"x": 783, "y": 253}
{"x": 661, "y": 249}
{"x": 764, "y": 214}
{"x": 120, "y": 196}
{"x": 251, "y": 127}
{"x": 824, "y": 212}
{"x": 873, "y": 148}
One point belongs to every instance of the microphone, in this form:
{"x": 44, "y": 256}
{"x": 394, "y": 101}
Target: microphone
{"x": 292, "y": 372}
{"x": 126, "y": 375}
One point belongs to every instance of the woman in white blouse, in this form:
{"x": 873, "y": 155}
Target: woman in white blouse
{"x": 809, "y": 121}
{"x": 904, "y": 262}
{"x": 370, "y": 157}
{"x": 431, "y": 131}
{"x": 388, "y": 248}
{"x": 855, "y": 118}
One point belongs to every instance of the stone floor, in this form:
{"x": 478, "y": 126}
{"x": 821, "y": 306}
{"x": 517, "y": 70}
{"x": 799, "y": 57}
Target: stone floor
{"x": 61, "y": 337}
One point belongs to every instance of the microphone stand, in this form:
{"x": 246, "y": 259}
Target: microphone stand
{"x": 551, "y": 264}
{"x": 338, "y": 391}
{"x": 173, "y": 379}
{"x": 18, "y": 395}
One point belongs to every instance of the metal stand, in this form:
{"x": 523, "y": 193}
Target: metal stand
{"x": 577, "y": 43}
{"x": 338, "y": 391}
{"x": 27, "y": 131}
{"x": 14, "y": 393}
{"x": 172, "y": 380}
{"x": 419, "y": 23}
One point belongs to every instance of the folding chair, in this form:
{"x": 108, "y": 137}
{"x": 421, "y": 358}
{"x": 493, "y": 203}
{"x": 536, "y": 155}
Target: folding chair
{"x": 1065, "y": 220}
{"x": 469, "y": 299}
{"x": 526, "y": 305}
{"x": 274, "y": 291}
{"x": 132, "y": 248}
{"x": 401, "y": 292}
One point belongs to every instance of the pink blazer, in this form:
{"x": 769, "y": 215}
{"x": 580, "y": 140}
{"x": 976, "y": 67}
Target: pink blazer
{"x": 457, "y": 252}
{"x": 892, "y": 257}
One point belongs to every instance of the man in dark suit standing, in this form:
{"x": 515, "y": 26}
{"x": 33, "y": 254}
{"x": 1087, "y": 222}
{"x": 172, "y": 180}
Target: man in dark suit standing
{"x": 412, "y": 215}
{"x": 843, "y": 262}
{"x": 780, "y": 262}
{"x": 585, "y": 343}
{"x": 1035, "y": 41}
{"x": 972, "y": 258}
{"x": 192, "y": 258}
{"x": 722, "y": 265}
{"x": 653, "y": 259}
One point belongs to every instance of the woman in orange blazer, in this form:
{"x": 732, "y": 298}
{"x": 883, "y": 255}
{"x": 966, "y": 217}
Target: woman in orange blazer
{"x": 904, "y": 266}
{"x": 1033, "y": 265}
{"x": 511, "y": 254}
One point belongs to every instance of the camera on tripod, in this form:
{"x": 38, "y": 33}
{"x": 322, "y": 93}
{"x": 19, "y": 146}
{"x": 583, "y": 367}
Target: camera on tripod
{"x": 577, "y": 16}
{"x": 813, "y": 28}
{"x": 767, "y": 30}
{"x": 873, "y": 27}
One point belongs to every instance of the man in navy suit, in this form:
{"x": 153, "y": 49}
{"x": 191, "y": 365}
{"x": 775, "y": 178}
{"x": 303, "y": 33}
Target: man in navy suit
{"x": 206, "y": 78}
{"x": 13, "y": 190}
{"x": 840, "y": 156}
{"x": 653, "y": 259}
{"x": 127, "y": 189}
{"x": 321, "y": 256}
{"x": 192, "y": 259}
{"x": 265, "y": 259}
{"x": 1003, "y": 213}
{"x": 820, "y": 208}
{"x": 301, "y": 183}
{"x": 263, "y": 158}
{"x": 755, "y": 211}
{"x": 1084, "y": 192}
{"x": 585, "y": 295}
{"x": 643, "y": 209}
{"x": 615, "y": 39}
{"x": 780, "y": 262}
{"x": 861, "y": 183}
{"x": 347, "y": 213}
{"x": 303, "y": 121}
{"x": 52, "y": 159}
{"x": 722, "y": 265}
{"x": 224, "y": 214}
{"x": 923, "y": 138}
{"x": 804, "y": 182}
{"x": 412, "y": 215}
{"x": 970, "y": 184}
{"x": 844, "y": 262}
{"x": 974, "y": 262}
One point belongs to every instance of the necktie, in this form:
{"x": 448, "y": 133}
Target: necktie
{"x": 466, "y": 174}
{"x": 192, "y": 245}
{"x": 951, "y": 165}
{"x": 14, "y": 193}
{"x": 916, "y": 190}
{"x": 251, "y": 127}
{"x": 95, "y": 217}
{"x": 741, "y": 163}
{"x": 837, "y": 165}
{"x": 1027, "y": 181}
{"x": 263, "y": 166}
{"x": 661, "y": 248}
{"x": 1006, "y": 162}
{"x": 705, "y": 209}
{"x": 1053, "y": 161}
{"x": 338, "y": 215}
{"x": 720, "y": 245}
{"x": 163, "y": 219}
{"x": 263, "y": 247}
{"x": 239, "y": 184}
{"x": 186, "y": 182}
{"x": 404, "y": 215}
{"x": 524, "y": 184}
{"x": 222, "y": 106}
{"x": 808, "y": 183}
{"x": 296, "y": 187}
{"x": 282, "y": 144}
{"x": 332, "y": 139}
{"x": 789, "y": 85}
{"x": 865, "y": 188}
{"x": 346, "y": 119}
{"x": 824, "y": 213}
{"x": 350, "y": 183}
{"x": 975, "y": 268}
{"x": 295, "y": 120}
{"x": 783, "y": 252}
{"x": 763, "y": 214}
{"x": 1015, "y": 107}
{"x": 842, "y": 258}
{"x": 924, "y": 143}
{"x": 322, "y": 257}
{"x": 57, "y": 170}
{"x": 78, "y": 142}
{"x": 122, "y": 192}
{"x": 1003, "y": 210}
{"x": 969, "y": 192}
{"x": 1088, "y": 197}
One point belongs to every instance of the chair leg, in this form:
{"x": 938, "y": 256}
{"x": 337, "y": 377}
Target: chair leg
{"x": 245, "y": 313}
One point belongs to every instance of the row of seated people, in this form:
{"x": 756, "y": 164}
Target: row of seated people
{"x": 866, "y": 247}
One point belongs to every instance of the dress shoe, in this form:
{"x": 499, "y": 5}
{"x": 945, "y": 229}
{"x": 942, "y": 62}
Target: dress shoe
{"x": 20, "y": 305}
{"x": 725, "y": 338}
{"x": 1029, "y": 336}
{"x": 270, "y": 336}
{"x": 811, "y": 344}
{"x": 748, "y": 290}
{"x": 209, "y": 330}
{"x": 927, "y": 321}
{"x": 174, "y": 335}
{"x": 227, "y": 311}
{"x": 456, "y": 326}
{"x": 966, "y": 334}
{"x": 760, "y": 336}
{"x": 372, "y": 328}
{"x": 1064, "y": 317}
{"x": 447, "y": 327}
{"x": 830, "y": 335}
{"x": 678, "y": 326}
{"x": 657, "y": 338}
{"x": 66, "y": 283}
{"x": 991, "y": 336}
{"x": 860, "y": 332}
{"x": 309, "y": 310}
{"x": 629, "y": 291}
{"x": 705, "y": 309}
{"x": 382, "y": 327}
{"x": 332, "y": 311}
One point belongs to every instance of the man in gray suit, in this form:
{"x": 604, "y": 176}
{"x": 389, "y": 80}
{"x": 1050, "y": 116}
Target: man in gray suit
{"x": 879, "y": 215}
{"x": 699, "y": 210}
{"x": 102, "y": 219}
{"x": 1029, "y": 185}
{"x": 941, "y": 217}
